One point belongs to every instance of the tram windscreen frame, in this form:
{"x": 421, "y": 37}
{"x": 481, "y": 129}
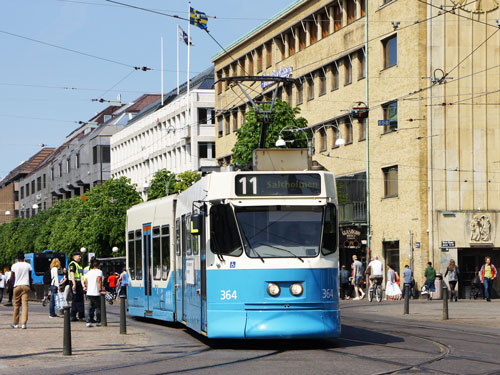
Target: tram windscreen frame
{"x": 281, "y": 231}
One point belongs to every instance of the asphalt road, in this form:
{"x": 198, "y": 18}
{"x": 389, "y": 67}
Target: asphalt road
{"x": 371, "y": 343}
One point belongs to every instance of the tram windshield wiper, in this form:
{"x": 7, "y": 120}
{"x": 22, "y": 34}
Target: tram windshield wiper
{"x": 251, "y": 248}
{"x": 282, "y": 249}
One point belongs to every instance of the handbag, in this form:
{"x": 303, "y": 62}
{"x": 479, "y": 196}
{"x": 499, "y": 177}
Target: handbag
{"x": 61, "y": 302}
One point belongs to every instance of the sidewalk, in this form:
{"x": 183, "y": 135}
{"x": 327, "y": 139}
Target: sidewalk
{"x": 41, "y": 344}
{"x": 467, "y": 312}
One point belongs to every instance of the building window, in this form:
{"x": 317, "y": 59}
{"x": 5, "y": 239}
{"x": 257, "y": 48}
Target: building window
{"x": 39, "y": 183}
{"x": 250, "y": 64}
{"x": 390, "y": 46}
{"x": 300, "y": 93}
{"x": 220, "y": 126}
{"x": 291, "y": 43}
{"x": 390, "y": 181}
{"x": 33, "y": 187}
{"x": 348, "y": 131}
{"x": 391, "y": 254}
{"x": 322, "y": 140}
{"x": 101, "y": 154}
{"x": 269, "y": 54}
{"x": 235, "y": 120}
{"x": 302, "y": 37}
{"x": 313, "y": 31}
{"x": 206, "y": 150}
{"x": 60, "y": 169}
{"x": 390, "y": 114}
{"x": 336, "y": 135}
{"x": 202, "y": 115}
{"x": 310, "y": 88}
{"x": 259, "y": 59}
{"x": 322, "y": 82}
{"x": 52, "y": 173}
{"x": 362, "y": 6}
{"x": 324, "y": 24}
{"x": 351, "y": 11}
{"x": 347, "y": 70}
{"x": 281, "y": 46}
{"x": 22, "y": 192}
{"x": 68, "y": 165}
{"x": 337, "y": 17}
{"x": 335, "y": 76}
{"x": 77, "y": 161}
{"x": 362, "y": 129}
{"x": 226, "y": 75}
{"x": 361, "y": 64}
{"x": 288, "y": 91}
{"x": 241, "y": 63}
{"x": 219, "y": 82}
{"x": 228, "y": 124}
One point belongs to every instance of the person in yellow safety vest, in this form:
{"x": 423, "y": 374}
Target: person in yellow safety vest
{"x": 75, "y": 278}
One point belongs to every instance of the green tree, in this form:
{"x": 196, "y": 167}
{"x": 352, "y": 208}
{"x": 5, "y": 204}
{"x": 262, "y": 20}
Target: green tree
{"x": 186, "y": 179}
{"x": 249, "y": 134}
{"x": 176, "y": 183}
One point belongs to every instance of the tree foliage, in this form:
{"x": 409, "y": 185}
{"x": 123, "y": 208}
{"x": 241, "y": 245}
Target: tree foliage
{"x": 176, "y": 183}
{"x": 96, "y": 222}
{"x": 249, "y": 134}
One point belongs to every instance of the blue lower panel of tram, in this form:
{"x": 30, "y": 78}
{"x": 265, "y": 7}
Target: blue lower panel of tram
{"x": 240, "y": 307}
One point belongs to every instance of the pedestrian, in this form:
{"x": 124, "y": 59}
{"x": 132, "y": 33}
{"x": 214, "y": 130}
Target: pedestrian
{"x": 407, "y": 280}
{"x": 22, "y": 283}
{"x": 8, "y": 289}
{"x": 391, "y": 287}
{"x": 94, "y": 286}
{"x": 64, "y": 286}
{"x": 453, "y": 274}
{"x": 2, "y": 285}
{"x": 75, "y": 277}
{"x": 344, "y": 283}
{"x": 55, "y": 266}
{"x": 357, "y": 276}
{"x": 430, "y": 277}
{"x": 488, "y": 274}
{"x": 123, "y": 281}
{"x": 112, "y": 279}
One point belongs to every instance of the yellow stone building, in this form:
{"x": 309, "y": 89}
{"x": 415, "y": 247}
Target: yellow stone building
{"x": 429, "y": 73}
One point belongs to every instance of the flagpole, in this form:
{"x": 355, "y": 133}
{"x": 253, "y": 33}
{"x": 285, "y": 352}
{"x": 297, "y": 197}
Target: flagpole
{"x": 178, "y": 35}
{"x": 162, "y": 70}
{"x": 189, "y": 63}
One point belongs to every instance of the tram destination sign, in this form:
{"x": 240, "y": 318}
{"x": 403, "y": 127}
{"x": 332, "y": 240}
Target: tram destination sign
{"x": 308, "y": 184}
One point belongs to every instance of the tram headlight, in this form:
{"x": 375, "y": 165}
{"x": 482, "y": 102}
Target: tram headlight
{"x": 273, "y": 289}
{"x": 296, "y": 289}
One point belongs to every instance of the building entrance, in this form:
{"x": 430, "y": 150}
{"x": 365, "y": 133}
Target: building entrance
{"x": 470, "y": 261}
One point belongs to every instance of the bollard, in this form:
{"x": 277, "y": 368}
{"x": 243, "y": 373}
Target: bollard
{"x": 67, "y": 332}
{"x": 123, "y": 315}
{"x": 407, "y": 299}
{"x": 104, "y": 318}
{"x": 445, "y": 302}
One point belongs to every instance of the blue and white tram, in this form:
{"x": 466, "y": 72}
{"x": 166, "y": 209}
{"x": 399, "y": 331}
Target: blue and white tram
{"x": 246, "y": 255}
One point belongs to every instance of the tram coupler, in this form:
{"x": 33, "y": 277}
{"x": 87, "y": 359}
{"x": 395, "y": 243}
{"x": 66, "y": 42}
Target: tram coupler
{"x": 123, "y": 315}
{"x": 67, "y": 332}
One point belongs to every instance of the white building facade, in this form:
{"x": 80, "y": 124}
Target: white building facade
{"x": 178, "y": 136}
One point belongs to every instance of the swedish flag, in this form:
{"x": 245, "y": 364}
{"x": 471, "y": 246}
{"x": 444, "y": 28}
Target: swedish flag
{"x": 198, "y": 18}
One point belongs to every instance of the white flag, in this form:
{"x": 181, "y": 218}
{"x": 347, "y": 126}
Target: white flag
{"x": 183, "y": 37}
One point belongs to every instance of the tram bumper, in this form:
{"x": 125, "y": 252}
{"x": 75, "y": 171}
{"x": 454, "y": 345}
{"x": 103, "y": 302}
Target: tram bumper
{"x": 292, "y": 324}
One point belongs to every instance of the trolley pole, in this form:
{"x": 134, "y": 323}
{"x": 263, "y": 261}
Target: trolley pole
{"x": 445, "y": 301}
{"x": 407, "y": 299}
{"x": 123, "y": 315}
{"x": 104, "y": 318}
{"x": 67, "y": 332}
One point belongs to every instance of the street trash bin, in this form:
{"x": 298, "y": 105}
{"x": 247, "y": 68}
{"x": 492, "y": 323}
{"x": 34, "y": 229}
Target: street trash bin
{"x": 439, "y": 286}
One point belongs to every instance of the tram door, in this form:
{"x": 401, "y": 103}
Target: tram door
{"x": 146, "y": 241}
{"x": 179, "y": 272}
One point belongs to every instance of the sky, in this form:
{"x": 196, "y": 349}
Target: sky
{"x": 45, "y": 91}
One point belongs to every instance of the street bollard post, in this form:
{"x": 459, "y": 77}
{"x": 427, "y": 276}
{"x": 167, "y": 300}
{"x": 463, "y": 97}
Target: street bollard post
{"x": 445, "y": 302}
{"x": 67, "y": 350}
{"x": 104, "y": 318}
{"x": 407, "y": 299}
{"x": 123, "y": 315}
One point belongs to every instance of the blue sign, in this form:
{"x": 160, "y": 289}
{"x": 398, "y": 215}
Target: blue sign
{"x": 282, "y": 72}
{"x": 232, "y": 265}
{"x": 383, "y": 123}
{"x": 447, "y": 243}
{"x": 417, "y": 245}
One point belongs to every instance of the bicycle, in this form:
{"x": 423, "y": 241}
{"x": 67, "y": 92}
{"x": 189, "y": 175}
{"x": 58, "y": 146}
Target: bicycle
{"x": 375, "y": 290}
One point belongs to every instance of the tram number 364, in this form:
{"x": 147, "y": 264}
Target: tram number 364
{"x": 327, "y": 294}
{"x": 227, "y": 295}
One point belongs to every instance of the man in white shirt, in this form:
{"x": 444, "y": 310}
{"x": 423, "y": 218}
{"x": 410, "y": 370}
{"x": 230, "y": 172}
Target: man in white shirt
{"x": 93, "y": 284}
{"x": 376, "y": 269}
{"x": 22, "y": 283}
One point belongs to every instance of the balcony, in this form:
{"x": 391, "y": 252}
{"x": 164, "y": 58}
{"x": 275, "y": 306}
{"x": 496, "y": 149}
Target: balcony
{"x": 352, "y": 212}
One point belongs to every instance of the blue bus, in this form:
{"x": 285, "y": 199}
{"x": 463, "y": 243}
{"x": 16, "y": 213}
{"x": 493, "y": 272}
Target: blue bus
{"x": 243, "y": 255}
{"x": 40, "y": 263}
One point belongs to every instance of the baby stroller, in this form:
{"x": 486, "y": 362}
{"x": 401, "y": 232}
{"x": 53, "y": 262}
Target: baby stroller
{"x": 475, "y": 288}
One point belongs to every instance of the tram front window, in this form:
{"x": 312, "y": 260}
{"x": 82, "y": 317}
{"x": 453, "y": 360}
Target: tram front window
{"x": 280, "y": 231}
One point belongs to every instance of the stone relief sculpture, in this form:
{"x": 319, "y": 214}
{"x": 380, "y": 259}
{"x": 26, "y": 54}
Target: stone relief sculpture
{"x": 480, "y": 229}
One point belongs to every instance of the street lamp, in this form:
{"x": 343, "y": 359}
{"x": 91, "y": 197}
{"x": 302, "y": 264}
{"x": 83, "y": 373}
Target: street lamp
{"x": 293, "y": 128}
{"x": 114, "y": 249}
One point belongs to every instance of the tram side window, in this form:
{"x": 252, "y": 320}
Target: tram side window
{"x": 187, "y": 235}
{"x": 330, "y": 230}
{"x": 131, "y": 255}
{"x": 138, "y": 254}
{"x": 224, "y": 237}
{"x": 156, "y": 253}
{"x": 165, "y": 251}
{"x": 178, "y": 237}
